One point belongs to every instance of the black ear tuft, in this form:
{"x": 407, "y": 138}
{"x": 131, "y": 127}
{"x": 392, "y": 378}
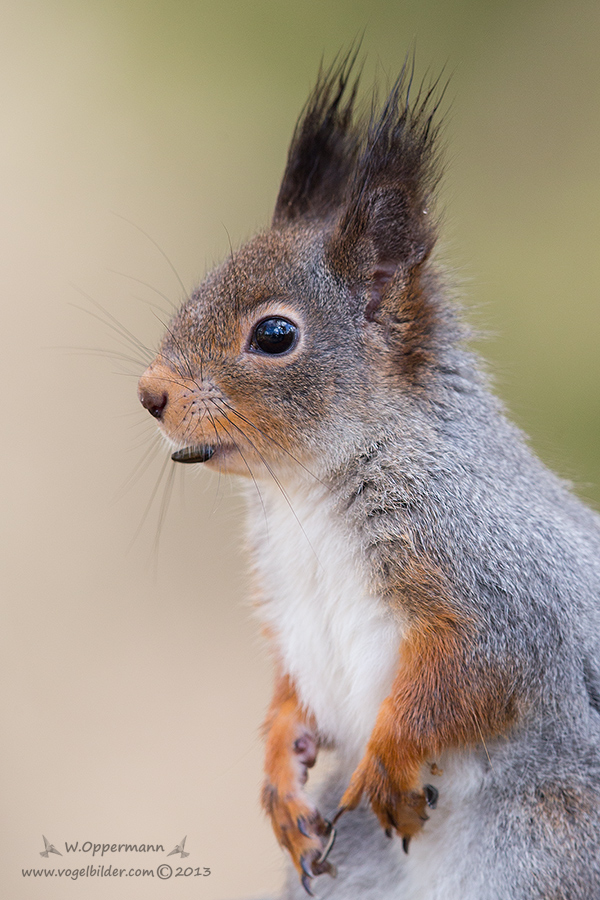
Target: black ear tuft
{"x": 324, "y": 148}
{"x": 387, "y": 202}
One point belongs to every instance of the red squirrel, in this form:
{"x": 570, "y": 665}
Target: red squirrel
{"x": 431, "y": 592}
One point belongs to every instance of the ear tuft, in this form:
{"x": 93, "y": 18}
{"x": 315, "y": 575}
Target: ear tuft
{"x": 324, "y": 148}
{"x": 386, "y": 207}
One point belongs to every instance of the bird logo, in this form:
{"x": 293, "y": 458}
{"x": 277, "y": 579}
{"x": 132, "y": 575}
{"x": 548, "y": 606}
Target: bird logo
{"x": 49, "y": 848}
{"x": 179, "y": 849}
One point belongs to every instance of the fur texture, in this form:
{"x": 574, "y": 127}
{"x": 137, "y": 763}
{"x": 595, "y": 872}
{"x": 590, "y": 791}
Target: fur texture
{"x": 430, "y": 590}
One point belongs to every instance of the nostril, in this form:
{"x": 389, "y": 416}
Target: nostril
{"x": 155, "y": 404}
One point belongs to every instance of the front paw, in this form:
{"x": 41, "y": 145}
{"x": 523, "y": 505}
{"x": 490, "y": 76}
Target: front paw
{"x": 301, "y": 829}
{"x": 398, "y": 806}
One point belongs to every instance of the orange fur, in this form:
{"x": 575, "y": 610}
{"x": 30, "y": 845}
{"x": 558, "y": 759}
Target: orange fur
{"x": 298, "y": 825}
{"x": 438, "y": 701}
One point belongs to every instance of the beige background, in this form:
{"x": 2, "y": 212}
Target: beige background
{"x": 133, "y": 681}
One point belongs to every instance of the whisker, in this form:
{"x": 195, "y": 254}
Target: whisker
{"x": 101, "y": 351}
{"x": 140, "y": 467}
{"x": 149, "y": 504}
{"x": 174, "y": 381}
{"x": 141, "y": 360}
{"x": 220, "y": 473}
{"x": 150, "y": 287}
{"x": 275, "y": 479}
{"x": 183, "y": 352}
{"x": 162, "y": 512}
{"x": 273, "y": 441}
{"x": 141, "y": 419}
{"x": 143, "y": 442}
{"x": 111, "y": 322}
{"x": 158, "y": 247}
{"x": 250, "y": 472}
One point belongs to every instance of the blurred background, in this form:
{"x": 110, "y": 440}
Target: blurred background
{"x": 138, "y": 140}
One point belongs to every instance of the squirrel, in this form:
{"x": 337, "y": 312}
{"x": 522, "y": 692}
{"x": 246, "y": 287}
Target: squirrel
{"x": 430, "y": 591}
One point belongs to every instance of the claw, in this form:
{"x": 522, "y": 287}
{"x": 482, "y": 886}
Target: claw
{"x": 388, "y": 832}
{"x": 300, "y": 744}
{"x": 339, "y": 812}
{"x": 304, "y": 865}
{"x": 431, "y": 795}
{"x": 405, "y": 843}
{"x": 306, "y": 885}
{"x": 331, "y": 832}
{"x": 302, "y": 827}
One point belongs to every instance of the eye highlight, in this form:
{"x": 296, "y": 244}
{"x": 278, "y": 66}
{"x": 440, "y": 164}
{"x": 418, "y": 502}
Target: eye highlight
{"x": 274, "y": 335}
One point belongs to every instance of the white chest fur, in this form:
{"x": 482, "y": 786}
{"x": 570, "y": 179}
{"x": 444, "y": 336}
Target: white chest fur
{"x": 336, "y": 638}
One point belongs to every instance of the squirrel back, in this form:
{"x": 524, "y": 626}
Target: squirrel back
{"x": 430, "y": 590}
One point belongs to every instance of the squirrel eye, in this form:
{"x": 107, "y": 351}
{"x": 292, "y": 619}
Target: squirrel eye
{"x": 274, "y": 336}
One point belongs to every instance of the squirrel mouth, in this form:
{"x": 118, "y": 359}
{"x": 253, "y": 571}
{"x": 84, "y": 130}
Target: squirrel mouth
{"x": 193, "y": 454}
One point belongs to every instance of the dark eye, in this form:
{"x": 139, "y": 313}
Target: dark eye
{"x": 274, "y": 336}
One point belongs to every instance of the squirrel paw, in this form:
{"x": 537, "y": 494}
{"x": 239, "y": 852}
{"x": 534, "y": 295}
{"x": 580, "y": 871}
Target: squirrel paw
{"x": 301, "y": 829}
{"x": 398, "y": 809}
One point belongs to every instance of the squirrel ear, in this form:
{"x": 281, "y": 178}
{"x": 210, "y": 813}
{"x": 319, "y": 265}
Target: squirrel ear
{"x": 323, "y": 150}
{"x": 384, "y": 225}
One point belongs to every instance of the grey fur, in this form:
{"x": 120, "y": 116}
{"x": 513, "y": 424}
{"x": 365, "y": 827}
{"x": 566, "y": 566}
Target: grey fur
{"x": 459, "y": 482}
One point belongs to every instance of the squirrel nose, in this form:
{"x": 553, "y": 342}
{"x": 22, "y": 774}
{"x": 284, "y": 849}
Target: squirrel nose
{"x": 154, "y": 403}
{"x": 152, "y": 393}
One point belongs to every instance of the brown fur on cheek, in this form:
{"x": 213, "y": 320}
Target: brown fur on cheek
{"x": 249, "y": 421}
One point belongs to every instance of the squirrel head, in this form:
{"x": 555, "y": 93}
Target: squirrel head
{"x": 296, "y": 348}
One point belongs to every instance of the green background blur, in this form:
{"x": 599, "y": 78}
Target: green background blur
{"x": 132, "y": 679}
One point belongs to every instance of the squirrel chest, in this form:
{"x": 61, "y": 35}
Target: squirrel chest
{"x": 335, "y": 638}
